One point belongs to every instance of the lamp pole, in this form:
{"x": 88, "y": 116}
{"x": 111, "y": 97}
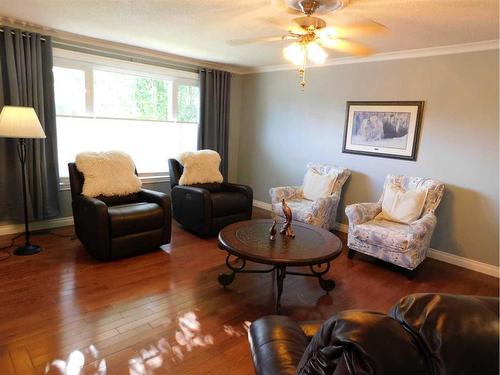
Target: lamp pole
{"x": 27, "y": 249}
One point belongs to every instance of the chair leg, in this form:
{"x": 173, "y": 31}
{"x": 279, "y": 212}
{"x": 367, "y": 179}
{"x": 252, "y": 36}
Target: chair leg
{"x": 351, "y": 253}
{"x": 410, "y": 274}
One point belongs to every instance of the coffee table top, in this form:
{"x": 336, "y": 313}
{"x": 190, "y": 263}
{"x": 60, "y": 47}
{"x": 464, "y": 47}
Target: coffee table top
{"x": 250, "y": 240}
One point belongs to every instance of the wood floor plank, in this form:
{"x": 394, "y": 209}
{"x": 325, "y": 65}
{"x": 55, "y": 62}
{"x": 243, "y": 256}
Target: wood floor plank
{"x": 128, "y": 313}
{"x": 22, "y": 361}
{"x": 6, "y": 365}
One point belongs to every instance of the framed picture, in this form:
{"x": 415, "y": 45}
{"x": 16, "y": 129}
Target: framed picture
{"x": 387, "y": 129}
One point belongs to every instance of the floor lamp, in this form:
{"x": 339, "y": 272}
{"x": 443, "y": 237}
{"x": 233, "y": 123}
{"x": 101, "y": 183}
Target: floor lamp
{"x": 22, "y": 123}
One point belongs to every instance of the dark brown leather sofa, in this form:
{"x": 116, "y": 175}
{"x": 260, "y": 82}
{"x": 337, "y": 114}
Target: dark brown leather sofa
{"x": 207, "y": 208}
{"x": 121, "y": 226}
{"x": 433, "y": 334}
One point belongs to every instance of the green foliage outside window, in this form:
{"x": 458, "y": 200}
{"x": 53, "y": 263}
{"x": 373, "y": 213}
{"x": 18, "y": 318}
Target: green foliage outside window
{"x": 151, "y": 98}
{"x": 188, "y": 103}
{"x": 126, "y": 96}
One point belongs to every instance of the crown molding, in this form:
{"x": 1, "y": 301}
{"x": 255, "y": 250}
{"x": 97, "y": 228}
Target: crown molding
{"x": 386, "y": 56}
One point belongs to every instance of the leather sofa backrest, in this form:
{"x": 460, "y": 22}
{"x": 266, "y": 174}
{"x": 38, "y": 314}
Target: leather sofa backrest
{"x": 364, "y": 342}
{"x": 435, "y": 334}
{"x": 175, "y": 172}
{"x": 76, "y": 181}
{"x": 459, "y": 333}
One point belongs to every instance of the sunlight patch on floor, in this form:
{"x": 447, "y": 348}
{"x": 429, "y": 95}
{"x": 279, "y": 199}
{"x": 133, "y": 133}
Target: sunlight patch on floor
{"x": 161, "y": 354}
{"x": 73, "y": 365}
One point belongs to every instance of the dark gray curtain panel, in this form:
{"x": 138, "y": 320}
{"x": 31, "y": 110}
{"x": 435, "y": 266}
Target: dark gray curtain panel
{"x": 26, "y": 79}
{"x": 213, "y": 131}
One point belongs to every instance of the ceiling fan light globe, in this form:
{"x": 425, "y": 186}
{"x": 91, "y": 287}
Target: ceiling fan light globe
{"x": 294, "y": 53}
{"x": 316, "y": 54}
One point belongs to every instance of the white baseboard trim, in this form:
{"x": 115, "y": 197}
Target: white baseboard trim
{"x": 456, "y": 260}
{"x": 470, "y": 264}
{"x": 36, "y": 225}
{"x": 263, "y": 205}
{"x": 341, "y": 227}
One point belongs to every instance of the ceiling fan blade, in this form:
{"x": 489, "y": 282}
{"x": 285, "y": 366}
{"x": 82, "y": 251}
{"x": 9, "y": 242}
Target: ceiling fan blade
{"x": 265, "y": 39}
{"x": 283, "y": 6}
{"x": 346, "y": 46}
{"x": 358, "y": 29}
{"x": 285, "y": 24}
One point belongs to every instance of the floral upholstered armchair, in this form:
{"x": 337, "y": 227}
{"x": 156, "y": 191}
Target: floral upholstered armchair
{"x": 321, "y": 212}
{"x": 405, "y": 245}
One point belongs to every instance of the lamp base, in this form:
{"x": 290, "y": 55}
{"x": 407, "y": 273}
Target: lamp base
{"x": 28, "y": 250}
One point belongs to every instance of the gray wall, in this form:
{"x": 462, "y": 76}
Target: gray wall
{"x": 283, "y": 128}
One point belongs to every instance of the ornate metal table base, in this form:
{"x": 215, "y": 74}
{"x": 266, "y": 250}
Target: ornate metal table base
{"x": 238, "y": 266}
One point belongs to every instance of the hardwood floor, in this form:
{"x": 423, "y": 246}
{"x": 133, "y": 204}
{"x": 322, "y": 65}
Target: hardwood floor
{"x": 165, "y": 313}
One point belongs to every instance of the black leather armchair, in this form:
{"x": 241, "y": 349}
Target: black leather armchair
{"x": 423, "y": 334}
{"x": 207, "y": 208}
{"x": 120, "y": 226}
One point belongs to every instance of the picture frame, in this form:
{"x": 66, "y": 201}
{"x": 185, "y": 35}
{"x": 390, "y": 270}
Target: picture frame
{"x": 389, "y": 129}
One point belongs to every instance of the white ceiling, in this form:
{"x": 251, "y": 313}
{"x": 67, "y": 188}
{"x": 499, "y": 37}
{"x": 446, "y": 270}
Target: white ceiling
{"x": 201, "y": 28}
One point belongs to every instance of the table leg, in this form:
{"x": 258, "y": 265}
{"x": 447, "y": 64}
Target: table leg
{"x": 325, "y": 284}
{"x": 238, "y": 267}
{"x": 316, "y": 271}
{"x": 280, "y": 277}
{"x": 227, "y": 278}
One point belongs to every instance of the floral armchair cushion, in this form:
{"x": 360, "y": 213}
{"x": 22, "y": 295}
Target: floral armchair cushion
{"x": 435, "y": 189}
{"x": 321, "y": 212}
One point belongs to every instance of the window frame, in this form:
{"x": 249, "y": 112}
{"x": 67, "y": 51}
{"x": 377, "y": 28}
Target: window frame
{"x": 88, "y": 63}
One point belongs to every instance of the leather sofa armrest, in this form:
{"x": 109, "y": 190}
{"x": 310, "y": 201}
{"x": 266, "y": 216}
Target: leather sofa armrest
{"x": 192, "y": 205}
{"x": 197, "y": 193}
{"x": 96, "y": 205}
{"x": 151, "y": 196}
{"x": 238, "y": 188}
{"x": 277, "y": 344}
{"x": 162, "y": 200}
{"x": 92, "y": 225}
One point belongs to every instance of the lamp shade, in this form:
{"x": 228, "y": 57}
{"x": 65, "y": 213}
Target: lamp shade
{"x": 20, "y": 122}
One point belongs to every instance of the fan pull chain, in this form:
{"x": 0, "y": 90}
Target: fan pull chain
{"x": 302, "y": 70}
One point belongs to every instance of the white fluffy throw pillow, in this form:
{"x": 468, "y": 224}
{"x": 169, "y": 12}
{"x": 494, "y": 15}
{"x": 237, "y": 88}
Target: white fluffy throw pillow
{"x": 200, "y": 167}
{"x": 318, "y": 185}
{"x": 402, "y": 206}
{"x": 108, "y": 173}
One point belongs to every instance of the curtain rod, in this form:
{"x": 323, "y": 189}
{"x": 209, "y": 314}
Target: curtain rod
{"x": 131, "y": 57}
{"x": 23, "y": 33}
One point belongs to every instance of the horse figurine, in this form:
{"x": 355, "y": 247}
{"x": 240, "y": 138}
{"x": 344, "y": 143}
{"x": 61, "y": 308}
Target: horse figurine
{"x": 272, "y": 230}
{"x": 286, "y": 229}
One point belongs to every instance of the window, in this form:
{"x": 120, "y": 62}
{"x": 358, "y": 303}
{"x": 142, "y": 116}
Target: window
{"x": 105, "y": 104}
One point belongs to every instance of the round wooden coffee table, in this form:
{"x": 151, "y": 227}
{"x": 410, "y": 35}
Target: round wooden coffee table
{"x": 249, "y": 241}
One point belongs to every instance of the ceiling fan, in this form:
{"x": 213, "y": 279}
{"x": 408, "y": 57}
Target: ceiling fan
{"x": 310, "y": 33}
